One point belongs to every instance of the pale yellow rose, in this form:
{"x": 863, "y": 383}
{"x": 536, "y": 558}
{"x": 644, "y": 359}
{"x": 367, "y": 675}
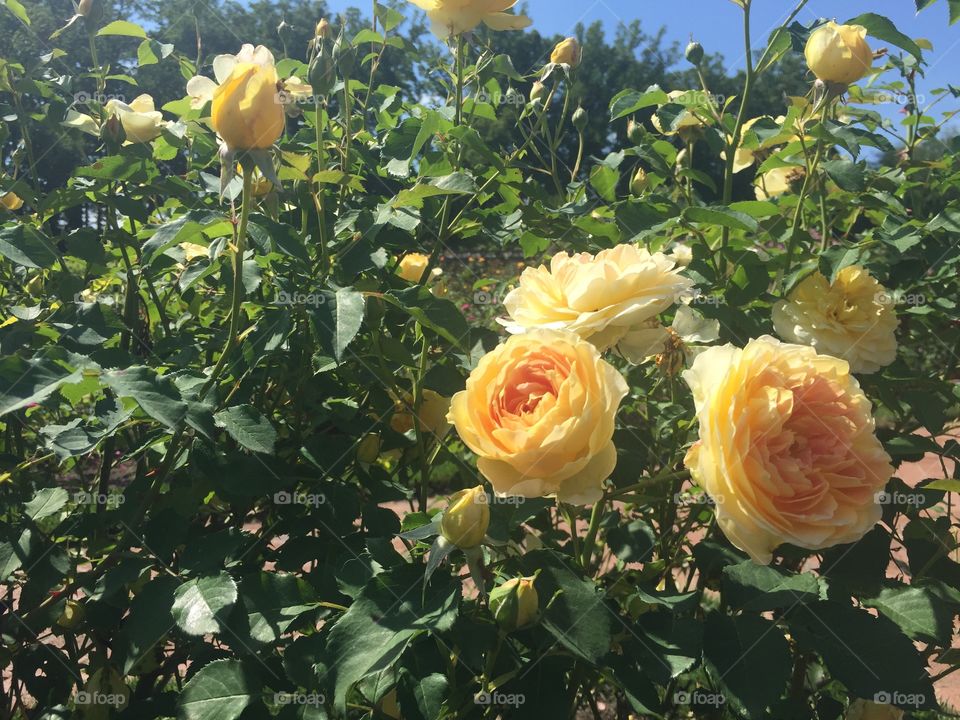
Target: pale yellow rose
{"x": 567, "y": 52}
{"x": 778, "y": 181}
{"x": 868, "y": 710}
{"x": 539, "y": 412}
{"x": 247, "y": 108}
{"x": 412, "y": 266}
{"x": 787, "y": 447}
{"x": 839, "y": 53}
{"x": 141, "y": 121}
{"x": 455, "y": 17}
{"x": 611, "y": 298}
{"x": 853, "y": 319}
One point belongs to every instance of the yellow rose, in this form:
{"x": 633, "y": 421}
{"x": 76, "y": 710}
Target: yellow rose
{"x": 640, "y": 182}
{"x": 455, "y": 17}
{"x": 141, "y": 121}
{"x": 787, "y": 447}
{"x": 539, "y": 412}
{"x": 839, "y": 53}
{"x": 688, "y": 121}
{"x": 11, "y": 201}
{"x": 567, "y": 52}
{"x": 515, "y": 603}
{"x": 433, "y": 414}
{"x": 609, "y": 298}
{"x": 853, "y": 319}
{"x": 778, "y": 181}
{"x": 412, "y": 266}
{"x": 467, "y": 517}
{"x": 247, "y": 111}
{"x": 868, "y": 710}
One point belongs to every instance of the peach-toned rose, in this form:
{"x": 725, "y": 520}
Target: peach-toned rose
{"x": 868, "y": 710}
{"x": 787, "y": 446}
{"x": 611, "y": 298}
{"x": 539, "y": 412}
{"x": 412, "y": 266}
{"x": 455, "y": 17}
{"x": 853, "y": 318}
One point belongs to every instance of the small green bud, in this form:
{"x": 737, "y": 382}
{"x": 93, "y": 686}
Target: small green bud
{"x": 323, "y": 74}
{"x": 694, "y": 53}
{"x": 580, "y": 119}
{"x": 515, "y": 604}
{"x": 634, "y": 131}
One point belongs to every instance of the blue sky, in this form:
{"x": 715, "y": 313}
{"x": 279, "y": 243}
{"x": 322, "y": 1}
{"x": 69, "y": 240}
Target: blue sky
{"x": 716, "y": 24}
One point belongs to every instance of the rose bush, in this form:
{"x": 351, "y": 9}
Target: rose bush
{"x": 331, "y": 392}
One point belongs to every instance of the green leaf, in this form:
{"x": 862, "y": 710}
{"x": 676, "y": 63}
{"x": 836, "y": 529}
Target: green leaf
{"x": 626, "y": 102}
{"x": 604, "y": 180}
{"x": 868, "y": 654}
{"x": 149, "y": 620}
{"x": 27, "y": 246}
{"x": 18, "y": 10}
{"x": 631, "y": 542}
{"x": 917, "y": 610}
{"x": 338, "y": 320}
{"x": 10, "y": 560}
{"x": 361, "y": 643}
{"x": 273, "y": 601}
{"x": 741, "y": 649}
{"x": 847, "y": 174}
{"x": 423, "y": 698}
{"x": 47, "y": 502}
{"x": 156, "y": 395}
{"x": 881, "y": 27}
{"x": 25, "y": 382}
{"x": 759, "y": 587}
{"x": 720, "y": 215}
{"x": 179, "y": 230}
{"x": 247, "y": 426}
{"x": 122, "y": 27}
{"x": 199, "y": 605}
{"x": 221, "y": 690}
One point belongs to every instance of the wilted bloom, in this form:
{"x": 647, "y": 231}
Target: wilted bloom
{"x": 323, "y": 29}
{"x": 141, "y": 121}
{"x": 515, "y": 604}
{"x": 465, "y": 521}
{"x": 455, "y": 17}
{"x": 567, "y": 52}
{"x": 787, "y": 447}
{"x": 539, "y": 413}
{"x": 247, "y": 111}
{"x": 853, "y": 318}
{"x": 839, "y": 53}
{"x": 11, "y": 201}
{"x": 861, "y": 709}
{"x": 608, "y": 298}
{"x": 412, "y": 266}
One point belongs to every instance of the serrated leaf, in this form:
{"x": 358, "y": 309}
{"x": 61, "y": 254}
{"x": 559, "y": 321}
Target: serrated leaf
{"x": 719, "y": 215}
{"x": 220, "y": 690}
{"x": 338, "y": 320}
{"x": 24, "y": 382}
{"x": 917, "y": 610}
{"x": 883, "y": 28}
{"x": 199, "y": 605}
{"x": 247, "y": 426}
{"x": 155, "y": 394}
{"x": 45, "y": 503}
{"x": 759, "y": 587}
{"x": 122, "y": 27}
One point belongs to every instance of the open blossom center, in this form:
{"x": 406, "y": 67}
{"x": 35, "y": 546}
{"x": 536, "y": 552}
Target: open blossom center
{"x": 531, "y": 390}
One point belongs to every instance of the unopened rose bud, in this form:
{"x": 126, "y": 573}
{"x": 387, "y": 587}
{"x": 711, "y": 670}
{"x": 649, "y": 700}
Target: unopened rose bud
{"x": 515, "y": 604}
{"x": 567, "y": 52}
{"x": 323, "y": 29}
{"x": 694, "y": 53}
{"x": 345, "y": 56}
{"x": 640, "y": 183}
{"x": 634, "y": 131}
{"x": 112, "y": 133}
{"x": 322, "y": 73}
{"x": 538, "y": 91}
{"x": 369, "y": 449}
{"x": 839, "y": 54}
{"x": 467, "y": 517}
{"x": 73, "y": 613}
{"x": 580, "y": 119}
